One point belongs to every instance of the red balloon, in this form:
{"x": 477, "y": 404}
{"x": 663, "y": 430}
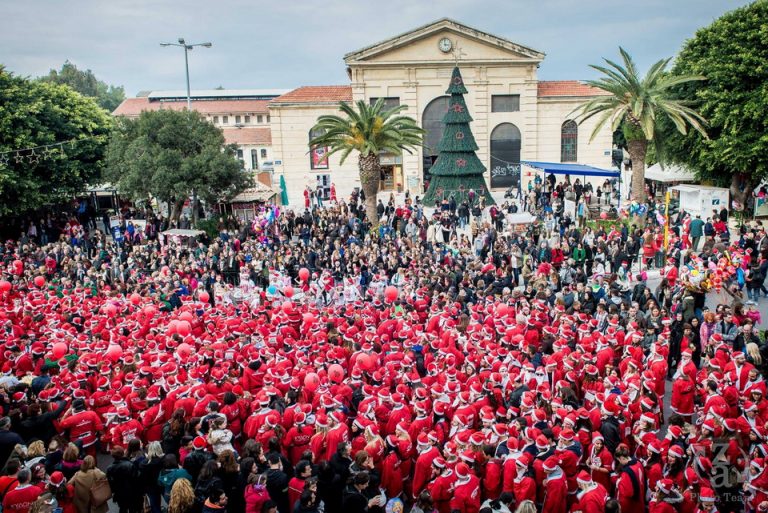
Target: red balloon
{"x": 149, "y": 310}
{"x": 204, "y": 297}
{"x": 184, "y": 350}
{"x": 287, "y": 307}
{"x": 5, "y": 286}
{"x": 166, "y": 269}
{"x": 303, "y": 274}
{"x": 288, "y": 291}
{"x": 309, "y": 317}
{"x": 391, "y": 293}
{"x": 59, "y": 349}
{"x": 365, "y": 362}
{"x": 311, "y": 381}
{"x": 39, "y": 281}
{"x": 18, "y": 264}
{"x": 114, "y": 352}
{"x": 173, "y": 326}
{"x": 183, "y": 328}
{"x": 603, "y": 215}
{"x": 187, "y": 316}
{"x": 502, "y": 309}
{"x": 336, "y": 373}
{"x": 110, "y": 310}
{"x": 135, "y": 299}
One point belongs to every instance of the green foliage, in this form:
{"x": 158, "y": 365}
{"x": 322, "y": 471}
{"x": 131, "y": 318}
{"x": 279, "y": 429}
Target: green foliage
{"x": 34, "y": 113}
{"x": 210, "y": 226}
{"x": 86, "y": 83}
{"x": 367, "y": 129}
{"x": 639, "y": 102}
{"x": 732, "y": 53}
{"x": 457, "y": 169}
{"x": 172, "y": 155}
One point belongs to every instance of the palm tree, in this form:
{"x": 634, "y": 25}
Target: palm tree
{"x": 638, "y": 104}
{"x": 368, "y": 130}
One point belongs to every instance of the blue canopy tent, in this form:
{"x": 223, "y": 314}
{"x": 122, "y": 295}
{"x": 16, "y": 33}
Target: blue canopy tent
{"x": 559, "y": 168}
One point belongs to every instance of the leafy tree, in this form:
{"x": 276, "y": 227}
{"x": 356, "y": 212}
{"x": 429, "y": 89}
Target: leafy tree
{"x": 732, "y": 53}
{"x": 172, "y": 156}
{"x": 35, "y": 114}
{"x": 368, "y": 130}
{"x": 638, "y": 104}
{"x": 86, "y": 83}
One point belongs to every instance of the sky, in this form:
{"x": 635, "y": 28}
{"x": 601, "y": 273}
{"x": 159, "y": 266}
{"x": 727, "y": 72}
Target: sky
{"x": 285, "y": 44}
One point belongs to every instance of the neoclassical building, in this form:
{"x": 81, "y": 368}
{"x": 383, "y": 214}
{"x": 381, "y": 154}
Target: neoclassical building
{"x": 516, "y": 116}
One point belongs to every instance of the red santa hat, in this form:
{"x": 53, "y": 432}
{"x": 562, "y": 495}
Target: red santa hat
{"x": 462, "y": 471}
{"x": 551, "y": 464}
{"x": 199, "y": 443}
{"x": 665, "y": 485}
{"x": 584, "y": 477}
{"x": 646, "y": 417}
{"x": 676, "y": 451}
{"x": 707, "y": 495}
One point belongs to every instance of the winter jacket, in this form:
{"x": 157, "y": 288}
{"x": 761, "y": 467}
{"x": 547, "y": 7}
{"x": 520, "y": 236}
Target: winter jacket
{"x": 255, "y": 497}
{"x": 121, "y": 475}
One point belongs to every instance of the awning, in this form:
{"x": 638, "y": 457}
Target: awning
{"x": 259, "y": 192}
{"x": 178, "y": 232}
{"x": 558, "y": 168}
{"x": 669, "y": 173}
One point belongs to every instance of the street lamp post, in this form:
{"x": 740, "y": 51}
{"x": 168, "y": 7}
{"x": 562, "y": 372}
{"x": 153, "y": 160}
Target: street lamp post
{"x": 187, "y": 48}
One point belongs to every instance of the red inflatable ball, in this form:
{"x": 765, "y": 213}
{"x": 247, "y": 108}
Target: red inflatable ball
{"x": 288, "y": 291}
{"x": 18, "y": 264}
{"x": 304, "y": 274}
{"x": 135, "y": 299}
{"x": 309, "y": 317}
{"x": 336, "y": 373}
{"x": 110, "y": 310}
{"x": 183, "y": 328}
{"x": 184, "y": 350}
{"x": 365, "y": 362}
{"x": 165, "y": 270}
{"x": 391, "y": 293}
{"x": 187, "y": 316}
{"x": 173, "y": 326}
{"x": 603, "y": 215}
{"x": 5, "y": 286}
{"x": 59, "y": 349}
{"x": 149, "y": 310}
{"x": 311, "y": 381}
{"x": 204, "y": 297}
{"x": 39, "y": 281}
{"x": 287, "y": 307}
{"x": 502, "y": 310}
{"x": 114, "y": 352}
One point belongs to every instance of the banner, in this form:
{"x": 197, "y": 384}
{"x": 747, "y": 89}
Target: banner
{"x": 319, "y": 157}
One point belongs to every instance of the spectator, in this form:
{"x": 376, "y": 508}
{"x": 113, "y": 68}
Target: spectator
{"x": 83, "y": 482}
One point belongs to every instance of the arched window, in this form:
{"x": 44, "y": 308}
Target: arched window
{"x": 432, "y": 123}
{"x": 318, "y": 156}
{"x": 505, "y": 156}
{"x": 569, "y": 141}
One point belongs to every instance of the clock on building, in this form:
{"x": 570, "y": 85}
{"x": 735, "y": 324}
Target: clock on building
{"x": 445, "y": 45}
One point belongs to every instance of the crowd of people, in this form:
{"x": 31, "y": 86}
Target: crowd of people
{"x": 433, "y": 360}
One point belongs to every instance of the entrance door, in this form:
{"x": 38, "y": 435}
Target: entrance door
{"x": 432, "y": 123}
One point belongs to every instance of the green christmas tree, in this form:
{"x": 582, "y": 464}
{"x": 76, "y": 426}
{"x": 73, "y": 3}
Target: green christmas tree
{"x": 457, "y": 169}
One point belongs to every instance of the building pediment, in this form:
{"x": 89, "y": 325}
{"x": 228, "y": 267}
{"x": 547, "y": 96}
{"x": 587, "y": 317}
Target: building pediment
{"x": 422, "y": 45}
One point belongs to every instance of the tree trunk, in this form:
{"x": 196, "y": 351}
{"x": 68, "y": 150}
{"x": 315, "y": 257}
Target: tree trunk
{"x": 195, "y": 208}
{"x": 178, "y": 206}
{"x": 741, "y": 189}
{"x": 637, "y": 149}
{"x": 370, "y": 174}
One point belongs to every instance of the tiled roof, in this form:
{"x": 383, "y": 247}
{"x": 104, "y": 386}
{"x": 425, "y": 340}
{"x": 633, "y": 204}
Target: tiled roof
{"x": 248, "y": 135}
{"x": 135, "y": 106}
{"x": 567, "y": 88}
{"x": 316, "y": 94}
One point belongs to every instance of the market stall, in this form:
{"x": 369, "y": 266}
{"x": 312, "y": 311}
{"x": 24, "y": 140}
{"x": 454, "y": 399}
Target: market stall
{"x": 701, "y": 199}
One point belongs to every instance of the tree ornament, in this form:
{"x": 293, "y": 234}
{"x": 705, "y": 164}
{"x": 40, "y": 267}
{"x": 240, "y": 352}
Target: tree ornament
{"x": 459, "y": 135}
{"x": 19, "y": 158}
{"x": 461, "y": 162}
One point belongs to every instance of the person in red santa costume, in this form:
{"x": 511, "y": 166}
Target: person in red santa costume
{"x": 666, "y": 499}
{"x": 442, "y": 485}
{"x": 756, "y": 486}
{"x": 466, "y": 493}
{"x": 555, "y": 487}
{"x": 630, "y": 484}
{"x": 707, "y": 500}
{"x": 591, "y": 496}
